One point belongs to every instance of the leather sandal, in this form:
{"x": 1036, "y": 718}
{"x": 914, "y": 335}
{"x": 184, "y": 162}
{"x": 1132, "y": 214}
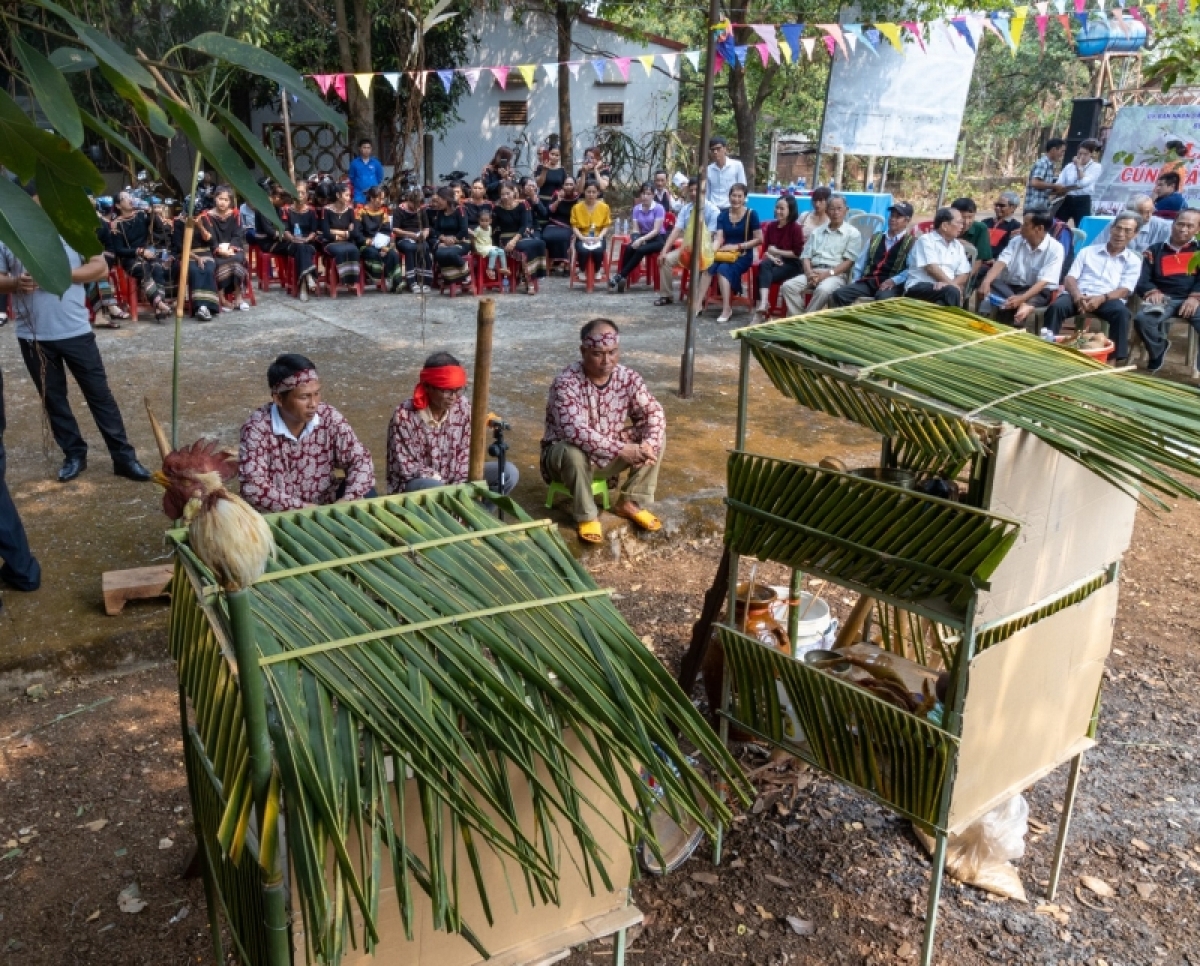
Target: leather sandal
{"x": 664, "y": 300}
{"x": 590, "y": 531}
{"x": 642, "y": 518}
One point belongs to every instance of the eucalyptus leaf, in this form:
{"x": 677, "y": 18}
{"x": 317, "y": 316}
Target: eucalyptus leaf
{"x": 146, "y": 109}
{"x": 212, "y": 144}
{"x": 28, "y": 231}
{"x": 16, "y": 153}
{"x": 108, "y": 51}
{"x": 259, "y": 62}
{"x": 73, "y": 60}
{"x": 116, "y": 137}
{"x": 51, "y": 91}
{"x": 263, "y": 157}
{"x": 71, "y": 211}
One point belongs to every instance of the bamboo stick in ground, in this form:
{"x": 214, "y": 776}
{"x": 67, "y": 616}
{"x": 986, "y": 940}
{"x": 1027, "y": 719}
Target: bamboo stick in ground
{"x": 485, "y": 325}
{"x": 160, "y": 436}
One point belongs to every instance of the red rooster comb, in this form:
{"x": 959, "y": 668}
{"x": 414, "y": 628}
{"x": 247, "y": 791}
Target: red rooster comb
{"x": 182, "y": 469}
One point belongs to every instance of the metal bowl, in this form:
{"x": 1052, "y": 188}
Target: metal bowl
{"x": 906, "y": 479}
{"x": 831, "y": 661}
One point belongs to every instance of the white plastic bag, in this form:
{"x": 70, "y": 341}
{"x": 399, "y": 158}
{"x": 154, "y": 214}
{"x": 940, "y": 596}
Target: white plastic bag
{"x": 981, "y": 853}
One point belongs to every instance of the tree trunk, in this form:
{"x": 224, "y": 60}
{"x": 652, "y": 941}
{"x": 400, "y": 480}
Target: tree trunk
{"x": 564, "y": 19}
{"x": 362, "y": 108}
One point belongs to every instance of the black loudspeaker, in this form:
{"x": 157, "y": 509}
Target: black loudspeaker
{"x": 1086, "y": 113}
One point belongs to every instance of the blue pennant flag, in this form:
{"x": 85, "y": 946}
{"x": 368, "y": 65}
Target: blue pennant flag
{"x": 740, "y": 52}
{"x": 960, "y": 24}
{"x": 598, "y": 66}
{"x": 447, "y": 78}
{"x": 873, "y": 37}
{"x": 791, "y": 33}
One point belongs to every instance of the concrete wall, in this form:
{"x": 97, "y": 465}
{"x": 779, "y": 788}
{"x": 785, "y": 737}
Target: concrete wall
{"x": 651, "y": 103}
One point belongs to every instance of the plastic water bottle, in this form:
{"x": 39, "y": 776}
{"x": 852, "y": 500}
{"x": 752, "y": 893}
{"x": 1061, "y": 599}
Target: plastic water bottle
{"x": 800, "y": 183}
{"x": 871, "y": 187}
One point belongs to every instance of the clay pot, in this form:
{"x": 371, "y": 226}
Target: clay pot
{"x": 754, "y": 618}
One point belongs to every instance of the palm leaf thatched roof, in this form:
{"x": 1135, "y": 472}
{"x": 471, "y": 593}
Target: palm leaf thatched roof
{"x": 421, "y": 634}
{"x": 941, "y": 382}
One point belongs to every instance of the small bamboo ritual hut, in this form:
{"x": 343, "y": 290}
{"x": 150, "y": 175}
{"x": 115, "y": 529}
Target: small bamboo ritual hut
{"x": 424, "y": 735}
{"x": 1007, "y": 593}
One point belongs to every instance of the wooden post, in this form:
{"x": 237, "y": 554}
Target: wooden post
{"x": 287, "y": 135}
{"x": 485, "y": 323}
{"x": 185, "y": 258}
{"x": 839, "y": 168}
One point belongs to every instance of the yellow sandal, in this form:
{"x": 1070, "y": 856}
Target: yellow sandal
{"x": 590, "y": 531}
{"x": 642, "y": 518}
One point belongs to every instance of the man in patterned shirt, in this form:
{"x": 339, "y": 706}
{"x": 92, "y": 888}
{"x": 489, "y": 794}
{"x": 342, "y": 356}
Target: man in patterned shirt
{"x": 292, "y": 448}
{"x": 429, "y": 437}
{"x": 586, "y": 433}
{"x": 1043, "y": 176}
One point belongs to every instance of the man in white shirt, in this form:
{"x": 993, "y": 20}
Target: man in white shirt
{"x": 1153, "y": 230}
{"x": 1025, "y": 276}
{"x": 938, "y": 266}
{"x": 723, "y": 173}
{"x": 1077, "y": 182}
{"x": 828, "y": 256}
{"x": 1100, "y": 280}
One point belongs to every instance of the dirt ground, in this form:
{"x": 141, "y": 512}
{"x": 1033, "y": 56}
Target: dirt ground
{"x": 96, "y": 802}
{"x": 93, "y": 797}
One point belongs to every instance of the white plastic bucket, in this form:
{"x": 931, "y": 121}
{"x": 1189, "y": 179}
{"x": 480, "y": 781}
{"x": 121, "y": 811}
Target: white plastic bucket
{"x": 817, "y": 628}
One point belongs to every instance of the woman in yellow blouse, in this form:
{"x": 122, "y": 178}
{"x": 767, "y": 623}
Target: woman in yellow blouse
{"x": 591, "y": 221}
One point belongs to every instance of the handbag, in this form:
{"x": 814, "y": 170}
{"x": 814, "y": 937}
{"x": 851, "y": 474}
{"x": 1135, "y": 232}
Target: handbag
{"x": 725, "y": 258}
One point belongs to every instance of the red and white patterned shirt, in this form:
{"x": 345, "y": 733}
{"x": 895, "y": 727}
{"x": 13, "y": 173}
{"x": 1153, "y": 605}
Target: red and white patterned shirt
{"x": 278, "y": 472}
{"x": 593, "y": 417}
{"x": 421, "y": 449}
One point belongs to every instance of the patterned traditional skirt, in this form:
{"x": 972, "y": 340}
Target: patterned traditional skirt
{"x": 418, "y": 265}
{"x": 202, "y": 283}
{"x": 345, "y": 255}
{"x": 150, "y": 272}
{"x": 452, "y": 262}
{"x": 532, "y": 252}
{"x": 385, "y": 265}
{"x": 231, "y": 273}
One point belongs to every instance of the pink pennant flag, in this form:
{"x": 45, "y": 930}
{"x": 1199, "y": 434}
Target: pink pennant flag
{"x": 718, "y": 63}
{"x": 472, "y": 76}
{"x": 1080, "y": 6}
{"x": 323, "y": 81}
{"x": 1041, "y": 20}
{"x": 574, "y": 66}
{"x": 501, "y": 75}
{"x": 830, "y": 44}
{"x": 834, "y": 31}
{"x": 339, "y": 85}
{"x": 623, "y": 66}
{"x": 809, "y": 44}
{"x": 766, "y": 32}
{"x": 914, "y": 28}
{"x": 764, "y": 52}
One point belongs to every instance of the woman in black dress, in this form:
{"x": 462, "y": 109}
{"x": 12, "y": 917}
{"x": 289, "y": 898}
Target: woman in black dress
{"x": 449, "y": 233}
{"x": 557, "y": 234}
{"x": 496, "y": 172}
{"x": 513, "y": 230}
{"x": 220, "y": 229}
{"x": 131, "y": 237}
{"x": 379, "y": 256}
{"x": 303, "y": 224}
{"x": 538, "y": 211}
{"x": 285, "y": 243}
{"x": 594, "y": 169}
{"x": 550, "y": 176}
{"x": 339, "y": 229}
{"x": 476, "y": 203}
{"x": 201, "y": 272}
{"x": 410, "y": 228}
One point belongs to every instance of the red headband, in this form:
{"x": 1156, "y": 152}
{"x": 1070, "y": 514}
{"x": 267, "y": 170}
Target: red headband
{"x": 441, "y": 377}
{"x": 288, "y": 383}
{"x": 602, "y": 337}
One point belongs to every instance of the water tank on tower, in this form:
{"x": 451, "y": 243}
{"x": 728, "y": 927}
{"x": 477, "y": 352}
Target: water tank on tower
{"x": 1106, "y": 37}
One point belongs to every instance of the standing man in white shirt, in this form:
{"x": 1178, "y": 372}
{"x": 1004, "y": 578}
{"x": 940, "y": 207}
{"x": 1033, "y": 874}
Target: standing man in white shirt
{"x": 1100, "y": 280}
{"x": 1026, "y": 273}
{"x": 828, "y": 256}
{"x": 723, "y": 173}
{"x": 1077, "y": 182}
{"x": 938, "y": 267}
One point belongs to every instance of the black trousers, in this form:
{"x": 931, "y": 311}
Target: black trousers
{"x": 1114, "y": 312}
{"x": 769, "y": 273}
{"x": 864, "y": 288}
{"x": 631, "y": 257}
{"x": 19, "y": 567}
{"x": 946, "y": 295}
{"x": 82, "y": 356}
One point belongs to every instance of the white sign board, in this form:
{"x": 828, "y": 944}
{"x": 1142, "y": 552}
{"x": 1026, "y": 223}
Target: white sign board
{"x": 900, "y": 105}
{"x": 1137, "y": 150}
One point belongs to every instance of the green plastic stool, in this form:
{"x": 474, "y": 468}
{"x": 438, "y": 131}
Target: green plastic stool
{"x": 599, "y": 488}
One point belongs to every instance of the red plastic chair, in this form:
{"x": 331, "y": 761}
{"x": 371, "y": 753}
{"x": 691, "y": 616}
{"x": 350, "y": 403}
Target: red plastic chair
{"x": 274, "y": 268}
{"x": 591, "y": 278}
{"x": 924, "y": 226}
{"x": 331, "y": 281}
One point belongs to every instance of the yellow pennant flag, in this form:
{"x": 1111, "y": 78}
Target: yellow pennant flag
{"x": 892, "y": 32}
{"x": 1192, "y": 4}
{"x": 1151, "y": 12}
{"x": 647, "y": 62}
{"x": 1016, "y": 25}
{"x": 527, "y": 71}
{"x": 364, "y": 83}
{"x": 787, "y": 54}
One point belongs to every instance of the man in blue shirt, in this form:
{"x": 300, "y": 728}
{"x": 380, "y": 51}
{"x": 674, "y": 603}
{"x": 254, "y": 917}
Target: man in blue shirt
{"x": 365, "y": 172}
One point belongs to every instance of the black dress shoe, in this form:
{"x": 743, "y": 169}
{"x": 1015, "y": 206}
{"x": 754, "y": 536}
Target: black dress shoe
{"x": 133, "y": 470}
{"x": 71, "y": 468}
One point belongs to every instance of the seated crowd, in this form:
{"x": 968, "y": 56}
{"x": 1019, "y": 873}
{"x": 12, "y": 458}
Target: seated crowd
{"x": 602, "y": 422}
